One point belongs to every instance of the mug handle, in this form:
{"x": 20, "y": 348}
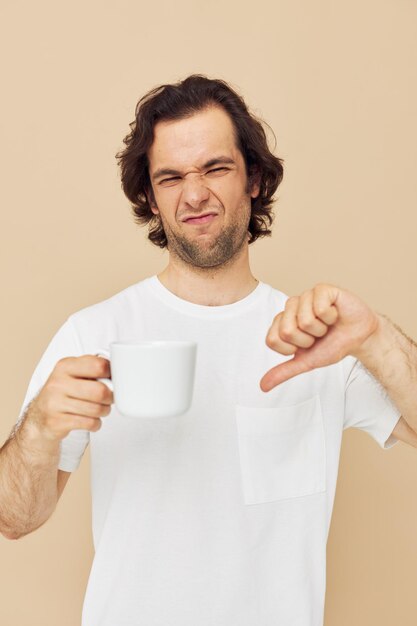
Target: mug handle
{"x": 107, "y": 381}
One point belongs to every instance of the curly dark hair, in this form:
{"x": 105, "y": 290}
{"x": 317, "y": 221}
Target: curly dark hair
{"x": 178, "y": 101}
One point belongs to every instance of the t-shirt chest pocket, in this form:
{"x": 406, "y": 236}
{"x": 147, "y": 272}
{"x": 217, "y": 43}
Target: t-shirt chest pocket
{"x": 282, "y": 451}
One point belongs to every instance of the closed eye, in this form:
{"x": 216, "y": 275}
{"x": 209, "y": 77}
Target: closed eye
{"x": 173, "y": 178}
{"x": 218, "y": 169}
{"x": 167, "y": 180}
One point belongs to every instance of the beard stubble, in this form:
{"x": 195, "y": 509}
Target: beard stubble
{"x": 218, "y": 252}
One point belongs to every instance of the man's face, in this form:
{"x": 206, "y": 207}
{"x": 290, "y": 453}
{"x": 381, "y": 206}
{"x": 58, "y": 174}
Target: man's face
{"x": 196, "y": 169}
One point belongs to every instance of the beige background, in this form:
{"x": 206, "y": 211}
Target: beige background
{"x": 336, "y": 82}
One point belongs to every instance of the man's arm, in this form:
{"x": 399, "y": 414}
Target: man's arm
{"x": 324, "y": 325}
{"x": 391, "y": 357}
{"x": 30, "y": 482}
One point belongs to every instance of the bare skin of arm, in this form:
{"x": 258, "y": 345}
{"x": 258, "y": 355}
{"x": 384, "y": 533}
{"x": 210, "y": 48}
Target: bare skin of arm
{"x": 30, "y": 481}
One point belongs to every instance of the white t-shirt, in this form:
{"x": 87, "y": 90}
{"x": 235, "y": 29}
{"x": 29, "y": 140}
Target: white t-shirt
{"x": 218, "y": 517}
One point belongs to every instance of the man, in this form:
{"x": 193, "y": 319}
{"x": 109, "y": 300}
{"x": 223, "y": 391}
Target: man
{"x": 218, "y": 517}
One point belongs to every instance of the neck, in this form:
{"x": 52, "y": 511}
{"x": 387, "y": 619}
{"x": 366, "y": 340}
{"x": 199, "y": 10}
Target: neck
{"x": 209, "y": 286}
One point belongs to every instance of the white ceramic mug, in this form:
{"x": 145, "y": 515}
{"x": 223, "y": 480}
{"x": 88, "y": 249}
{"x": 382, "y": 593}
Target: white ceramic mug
{"x": 151, "y": 378}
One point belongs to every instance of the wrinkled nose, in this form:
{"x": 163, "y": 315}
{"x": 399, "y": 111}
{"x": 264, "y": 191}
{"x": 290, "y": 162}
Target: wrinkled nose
{"x": 194, "y": 192}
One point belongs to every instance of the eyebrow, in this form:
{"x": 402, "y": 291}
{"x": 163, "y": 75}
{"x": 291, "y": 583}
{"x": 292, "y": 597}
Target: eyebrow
{"x": 166, "y": 171}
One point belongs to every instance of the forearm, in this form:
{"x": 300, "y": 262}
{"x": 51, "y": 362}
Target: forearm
{"x": 391, "y": 357}
{"x": 28, "y": 481}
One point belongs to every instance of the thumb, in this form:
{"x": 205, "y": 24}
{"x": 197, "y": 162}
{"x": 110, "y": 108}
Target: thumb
{"x": 282, "y": 372}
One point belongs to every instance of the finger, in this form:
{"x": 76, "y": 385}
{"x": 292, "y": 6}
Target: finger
{"x": 306, "y": 318}
{"x": 282, "y": 372}
{"x": 79, "y": 422}
{"x": 324, "y": 303}
{"x": 87, "y": 366}
{"x": 86, "y": 409}
{"x": 287, "y": 329}
{"x": 64, "y": 423}
{"x": 88, "y": 390}
{"x": 274, "y": 341}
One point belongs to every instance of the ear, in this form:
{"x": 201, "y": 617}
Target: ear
{"x": 254, "y": 182}
{"x": 151, "y": 201}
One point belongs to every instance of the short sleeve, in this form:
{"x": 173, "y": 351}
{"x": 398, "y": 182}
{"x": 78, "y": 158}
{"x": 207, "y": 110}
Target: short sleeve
{"x": 368, "y": 406}
{"x": 65, "y": 343}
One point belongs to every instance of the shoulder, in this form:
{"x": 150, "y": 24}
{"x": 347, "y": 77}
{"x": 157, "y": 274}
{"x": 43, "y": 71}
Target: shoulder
{"x": 123, "y": 305}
